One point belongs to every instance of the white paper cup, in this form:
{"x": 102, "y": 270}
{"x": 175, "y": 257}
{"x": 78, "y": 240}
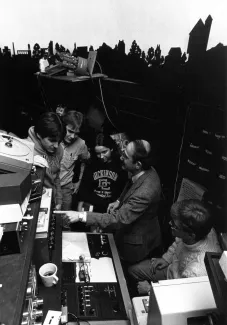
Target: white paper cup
{"x": 48, "y": 275}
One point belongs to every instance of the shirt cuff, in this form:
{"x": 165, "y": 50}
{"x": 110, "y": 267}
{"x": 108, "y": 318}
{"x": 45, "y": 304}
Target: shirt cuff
{"x": 83, "y": 217}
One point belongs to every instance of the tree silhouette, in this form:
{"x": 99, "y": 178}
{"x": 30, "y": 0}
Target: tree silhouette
{"x": 158, "y": 59}
{"x": 135, "y": 50}
{"x": 143, "y": 56}
{"x": 50, "y": 48}
{"x": 61, "y": 48}
{"x": 120, "y": 47}
{"x": 57, "y": 47}
{"x": 150, "y": 56}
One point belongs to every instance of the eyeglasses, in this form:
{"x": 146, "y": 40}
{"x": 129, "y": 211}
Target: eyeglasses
{"x": 183, "y": 227}
{"x": 124, "y": 154}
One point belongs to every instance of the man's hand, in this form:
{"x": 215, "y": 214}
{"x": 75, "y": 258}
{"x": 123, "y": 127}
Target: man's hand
{"x": 143, "y": 287}
{"x": 69, "y": 216}
{"x": 113, "y": 206}
{"x": 158, "y": 263}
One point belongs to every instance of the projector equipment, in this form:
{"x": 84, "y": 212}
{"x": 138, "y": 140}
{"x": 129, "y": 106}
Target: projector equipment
{"x": 16, "y": 159}
{"x": 140, "y": 307}
{"x": 15, "y": 184}
{"x": 13, "y": 237}
{"x": 193, "y": 299}
{"x": 15, "y": 152}
{"x": 78, "y": 65}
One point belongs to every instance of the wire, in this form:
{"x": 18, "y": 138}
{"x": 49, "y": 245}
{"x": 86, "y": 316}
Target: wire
{"x": 181, "y": 146}
{"x": 99, "y": 66}
{"x": 102, "y": 97}
{"x": 76, "y": 318}
{"x": 105, "y": 107}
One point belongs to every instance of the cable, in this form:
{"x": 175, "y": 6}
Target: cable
{"x": 105, "y": 107}
{"x": 99, "y": 66}
{"x": 102, "y": 99}
{"x": 76, "y": 318}
{"x": 181, "y": 146}
{"x": 111, "y": 105}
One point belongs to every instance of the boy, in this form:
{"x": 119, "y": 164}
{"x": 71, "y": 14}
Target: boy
{"x": 191, "y": 224}
{"x": 47, "y": 135}
{"x": 75, "y": 150}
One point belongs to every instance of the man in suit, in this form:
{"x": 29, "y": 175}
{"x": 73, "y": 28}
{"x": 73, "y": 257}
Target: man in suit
{"x": 133, "y": 217}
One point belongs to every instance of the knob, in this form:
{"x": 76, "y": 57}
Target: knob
{"x": 24, "y": 321}
{"x": 92, "y": 311}
{"x": 37, "y": 302}
{"x": 116, "y": 308}
{"x": 82, "y": 312}
{"x": 25, "y": 314}
{"x": 29, "y": 291}
{"x": 37, "y": 313}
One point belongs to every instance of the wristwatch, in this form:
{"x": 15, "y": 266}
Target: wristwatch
{"x": 80, "y": 217}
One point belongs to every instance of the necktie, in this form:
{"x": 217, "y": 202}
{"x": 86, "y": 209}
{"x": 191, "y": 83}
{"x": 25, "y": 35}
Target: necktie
{"x": 126, "y": 189}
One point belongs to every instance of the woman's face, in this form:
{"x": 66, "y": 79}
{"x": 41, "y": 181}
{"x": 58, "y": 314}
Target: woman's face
{"x": 103, "y": 153}
{"x": 179, "y": 231}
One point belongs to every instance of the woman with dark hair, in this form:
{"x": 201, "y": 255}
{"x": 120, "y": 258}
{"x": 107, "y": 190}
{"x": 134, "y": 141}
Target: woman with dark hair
{"x": 104, "y": 179}
{"x": 75, "y": 153}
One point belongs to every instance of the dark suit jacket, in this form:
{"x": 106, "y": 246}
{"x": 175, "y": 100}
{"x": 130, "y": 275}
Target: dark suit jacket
{"x": 136, "y": 225}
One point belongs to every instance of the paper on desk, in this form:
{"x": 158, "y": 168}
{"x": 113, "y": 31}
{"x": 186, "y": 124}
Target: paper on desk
{"x": 102, "y": 270}
{"x": 74, "y": 244}
{"x": 10, "y": 213}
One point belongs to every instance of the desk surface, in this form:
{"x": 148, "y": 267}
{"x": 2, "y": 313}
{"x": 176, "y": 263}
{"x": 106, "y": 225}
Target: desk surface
{"x": 52, "y": 296}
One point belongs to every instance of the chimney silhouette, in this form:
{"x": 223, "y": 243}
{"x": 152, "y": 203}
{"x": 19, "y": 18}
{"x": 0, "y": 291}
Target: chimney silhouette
{"x": 198, "y": 38}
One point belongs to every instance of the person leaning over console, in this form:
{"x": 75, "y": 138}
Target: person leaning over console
{"x": 75, "y": 150}
{"x": 47, "y": 135}
{"x": 133, "y": 216}
{"x": 104, "y": 178}
{"x": 191, "y": 224}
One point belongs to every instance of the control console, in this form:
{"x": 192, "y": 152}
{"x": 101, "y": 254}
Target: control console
{"x": 95, "y": 301}
{"x": 99, "y": 245}
{"x": 90, "y": 300}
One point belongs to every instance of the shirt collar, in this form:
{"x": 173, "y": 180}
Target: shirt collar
{"x": 135, "y": 177}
